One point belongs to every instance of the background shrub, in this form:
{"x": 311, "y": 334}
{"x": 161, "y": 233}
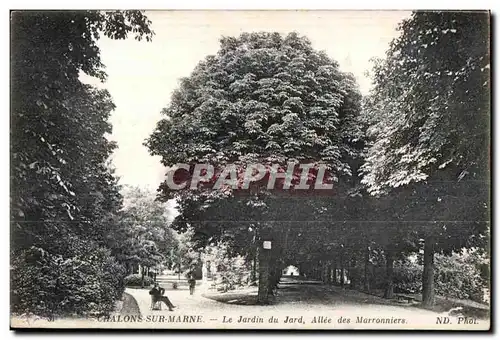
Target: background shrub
{"x": 456, "y": 276}
{"x": 407, "y": 277}
{"x": 459, "y": 276}
{"x": 135, "y": 280}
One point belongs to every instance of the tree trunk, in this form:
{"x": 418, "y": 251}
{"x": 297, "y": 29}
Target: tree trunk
{"x": 142, "y": 277}
{"x": 323, "y": 272}
{"x": 367, "y": 262}
{"x": 342, "y": 281}
{"x": 254, "y": 267}
{"x": 263, "y": 294}
{"x": 389, "y": 286}
{"x": 274, "y": 279}
{"x": 428, "y": 297}
{"x": 342, "y": 276}
{"x": 270, "y": 281}
{"x": 329, "y": 273}
{"x": 273, "y": 269}
{"x": 335, "y": 272}
{"x": 353, "y": 274}
{"x": 180, "y": 265}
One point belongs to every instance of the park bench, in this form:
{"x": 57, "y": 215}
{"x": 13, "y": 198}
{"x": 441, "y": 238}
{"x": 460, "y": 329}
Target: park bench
{"x": 406, "y": 298}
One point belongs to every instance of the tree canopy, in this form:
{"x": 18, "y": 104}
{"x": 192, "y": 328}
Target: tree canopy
{"x": 429, "y": 107}
{"x": 263, "y": 98}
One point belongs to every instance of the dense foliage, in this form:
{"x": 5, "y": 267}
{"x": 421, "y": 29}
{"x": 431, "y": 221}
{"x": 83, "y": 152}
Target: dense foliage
{"x": 145, "y": 239}
{"x": 232, "y": 271}
{"x": 64, "y": 197}
{"x": 263, "y": 98}
{"x": 47, "y": 285}
{"x": 430, "y": 102}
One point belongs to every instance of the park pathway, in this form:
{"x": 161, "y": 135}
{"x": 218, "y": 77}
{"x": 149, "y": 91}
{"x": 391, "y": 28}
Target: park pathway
{"x": 299, "y": 304}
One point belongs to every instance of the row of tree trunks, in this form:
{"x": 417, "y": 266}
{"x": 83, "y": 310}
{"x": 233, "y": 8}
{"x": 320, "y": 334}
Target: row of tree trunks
{"x": 270, "y": 268}
{"x": 341, "y": 271}
{"x": 334, "y": 272}
{"x": 329, "y": 272}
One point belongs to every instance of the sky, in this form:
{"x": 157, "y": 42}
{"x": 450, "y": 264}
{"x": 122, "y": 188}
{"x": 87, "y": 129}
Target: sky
{"x": 142, "y": 75}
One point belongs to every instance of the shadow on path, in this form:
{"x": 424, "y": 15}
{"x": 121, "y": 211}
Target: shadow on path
{"x": 297, "y": 290}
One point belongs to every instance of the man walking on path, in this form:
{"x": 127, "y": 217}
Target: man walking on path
{"x": 157, "y": 295}
{"x": 192, "y": 284}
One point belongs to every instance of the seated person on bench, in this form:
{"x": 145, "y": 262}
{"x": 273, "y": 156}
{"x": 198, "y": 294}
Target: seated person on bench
{"x": 157, "y": 296}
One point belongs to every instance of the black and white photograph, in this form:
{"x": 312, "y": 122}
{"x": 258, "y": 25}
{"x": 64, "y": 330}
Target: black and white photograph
{"x": 250, "y": 169}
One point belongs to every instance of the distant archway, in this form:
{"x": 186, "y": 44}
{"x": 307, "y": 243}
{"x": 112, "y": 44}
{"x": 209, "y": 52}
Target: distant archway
{"x": 291, "y": 271}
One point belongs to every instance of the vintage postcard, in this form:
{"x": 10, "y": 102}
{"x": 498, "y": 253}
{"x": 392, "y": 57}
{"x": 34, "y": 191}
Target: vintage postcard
{"x": 211, "y": 169}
